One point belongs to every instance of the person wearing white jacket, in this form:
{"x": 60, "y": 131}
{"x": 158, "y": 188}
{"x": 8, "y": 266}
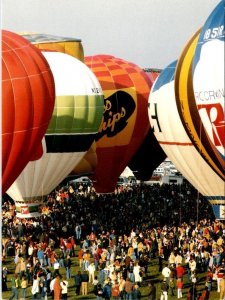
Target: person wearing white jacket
{"x": 91, "y": 270}
{"x": 35, "y": 288}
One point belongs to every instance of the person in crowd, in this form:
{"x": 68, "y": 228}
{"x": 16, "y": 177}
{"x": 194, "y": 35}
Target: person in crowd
{"x": 107, "y": 292}
{"x": 84, "y": 282}
{"x": 116, "y": 291}
{"x": 24, "y": 284}
{"x": 151, "y": 291}
{"x": 77, "y": 281}
{"x": 164, "y": 289}
{"x": 15, "y": 287}
{"x": 4, "y": 279}
{"x": 222, "y": 288}
{"x": 57, "y": 288}
{"x": 64, "y": 288}
{"x": 68, "y": 263}
{"x": 99, "y": 295}
{"x": 136, "y": 293}
{"x": 35, "y": 290}
{"x": 166, "y": 271}
{"x": 128, "y": 287}
{"x": 51, "y": 286}
{"x": 180, "y": 271}
{"x": 91, "y": 270}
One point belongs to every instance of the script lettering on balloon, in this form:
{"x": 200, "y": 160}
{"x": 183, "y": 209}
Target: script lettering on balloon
{"x": 117, "y": 110}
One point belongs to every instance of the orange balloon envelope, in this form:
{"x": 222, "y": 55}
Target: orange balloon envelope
{"x": 125, "y": 120}
{"x": 28, "y": 97}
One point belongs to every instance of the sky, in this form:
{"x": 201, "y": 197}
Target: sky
{"x": 149, "y": 33}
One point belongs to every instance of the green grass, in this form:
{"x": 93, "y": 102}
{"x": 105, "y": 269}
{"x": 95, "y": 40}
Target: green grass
{"x": 152, "y": 275}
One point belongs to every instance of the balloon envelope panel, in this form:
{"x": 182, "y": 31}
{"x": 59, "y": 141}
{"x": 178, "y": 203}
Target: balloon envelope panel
{"x": 28, "y": 96}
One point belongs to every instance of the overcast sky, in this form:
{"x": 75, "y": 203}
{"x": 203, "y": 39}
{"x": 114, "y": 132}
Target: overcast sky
{"x": 150, "y": 33}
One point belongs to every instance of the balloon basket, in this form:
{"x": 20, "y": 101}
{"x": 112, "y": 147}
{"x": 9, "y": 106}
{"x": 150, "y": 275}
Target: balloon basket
{"x": 31, "y": 210}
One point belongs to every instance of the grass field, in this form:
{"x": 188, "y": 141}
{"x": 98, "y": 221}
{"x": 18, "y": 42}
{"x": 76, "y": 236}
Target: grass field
{"x": 152, "y": 275}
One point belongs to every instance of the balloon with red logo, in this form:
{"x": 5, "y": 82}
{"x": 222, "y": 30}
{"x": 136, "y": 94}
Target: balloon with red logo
{"x": 125, "y": 120}
{"x": 28, "y": 96}
{"x": 199, "y": 87}
{"x": 142, "y": 163}
{"x": 205, "y": 101}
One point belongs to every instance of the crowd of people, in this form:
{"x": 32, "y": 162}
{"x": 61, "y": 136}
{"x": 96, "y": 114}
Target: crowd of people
{"x": 114, "y": 237}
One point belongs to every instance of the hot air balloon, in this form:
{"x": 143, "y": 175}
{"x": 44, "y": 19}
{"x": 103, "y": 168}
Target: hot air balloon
{"x": 200, "y": 97}
{"x": 28, "y": 96}
{"x": 75, "y": 121}
{"x": 73, "y": 47}
{"x": 68, "y": 45}
{"x": 171, "y": 130}
{"x": 125, "y": 120}
{"x": 150, "y": 154}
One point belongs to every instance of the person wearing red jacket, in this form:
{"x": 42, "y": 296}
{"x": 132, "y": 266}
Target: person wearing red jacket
{"x": 180, "y": 271}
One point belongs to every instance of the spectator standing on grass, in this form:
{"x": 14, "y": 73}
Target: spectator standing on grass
{"x": 84, "y": 283}
{"x": 57, "y": 288}
{"x": 172, "y": 286}
{"x": 56, "y": 267}
{"x": 164, "y": 290}
{"x": 166, "y": 273}
{"x": 116, "y": 291}
{"x": 80, "y": 257}
{"x": 222, "y": 288}
{"x": 136, "y": 293}
{"x": 51, "y": 286}
{"x": 122, "y": 282}
{"x": 95, "y": 283}
{"x": 61, "y": 258}
{"x": 35, "y": 290}
{"x": 99, "y": 295}
{"x": 40, "y": 255}
{"x": 107, "y": 290}
{"x": 44, "y": 288}
{"x": 180, "y": 271}
{"x": 68, "y": 264}
{"x": 128, "y": 287}
{"x": 91, "y": 271}
{"x": 77, "y": 281}
{"x": 4, "y": 282}
{"x": 24, "y": 285}
{"x": 151, "y": 291}
{"x": 64, "y": 286}
{"x": 15, "y": 287}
